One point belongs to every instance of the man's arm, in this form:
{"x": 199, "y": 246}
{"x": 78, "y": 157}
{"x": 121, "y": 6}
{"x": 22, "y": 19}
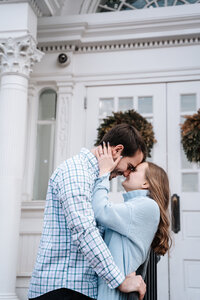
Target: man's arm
{"x": 76, "y": 202}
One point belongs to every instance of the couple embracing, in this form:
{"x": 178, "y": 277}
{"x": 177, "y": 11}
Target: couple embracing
{"x": 91, "y": 248}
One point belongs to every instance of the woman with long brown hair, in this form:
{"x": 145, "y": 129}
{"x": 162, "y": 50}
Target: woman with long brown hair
{"x": 139, "y": 223}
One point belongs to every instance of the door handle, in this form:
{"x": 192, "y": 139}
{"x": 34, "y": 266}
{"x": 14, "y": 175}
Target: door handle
{"x": 175, "y": 207}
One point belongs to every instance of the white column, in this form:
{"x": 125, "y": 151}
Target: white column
{"x": 17, "y": 59}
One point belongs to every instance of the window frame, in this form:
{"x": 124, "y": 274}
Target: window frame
{"x": 34, "y": 94}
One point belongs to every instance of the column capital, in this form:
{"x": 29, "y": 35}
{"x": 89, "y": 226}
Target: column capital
{"x": 18, "y": 55}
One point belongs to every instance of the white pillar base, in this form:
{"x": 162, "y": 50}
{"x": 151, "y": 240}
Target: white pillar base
{"x": 8, "y": 296}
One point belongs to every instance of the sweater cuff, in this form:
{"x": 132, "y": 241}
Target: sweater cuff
{"x": 103, "y": 182}
{"x": 104, "y": 176}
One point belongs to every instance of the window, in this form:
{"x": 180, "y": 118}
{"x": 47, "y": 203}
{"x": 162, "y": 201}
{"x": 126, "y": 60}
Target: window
{"x": 45, "y": 143}
{"x": 142, "y": 104}
{"x": 119, "y": 5}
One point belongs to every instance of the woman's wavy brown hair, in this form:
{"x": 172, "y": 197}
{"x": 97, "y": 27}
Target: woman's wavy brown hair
{"x": 159, "y": 191}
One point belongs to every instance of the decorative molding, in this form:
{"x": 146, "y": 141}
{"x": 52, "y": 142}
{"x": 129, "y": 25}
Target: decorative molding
{"x": 31, "y": 91}
{"x": 28, "y": 248}
{"x": 62, "y": 126}
{"x": 18, "y": 55}
{"x": 65, "y": 91}
{"x": 32, "y": 233}
{"x": 49, "y": 7}
{"x": 57, "y": 48}
{"x": 8, "y": 296}
{"x": 120, "y": 27}
{"x": 41, "y": 8}
{"x": 35, "y": 7}
{"x": 29, "y": 163}
{"x": 63, "y": 132}
{"x": 36, "y": 205}
{"x": 89, "y": 6}
{"x": 23, "y": 282}
{"x": 24, "y": 274}
{"x": 174, "y": 42}
{"x": 131, "y": 45}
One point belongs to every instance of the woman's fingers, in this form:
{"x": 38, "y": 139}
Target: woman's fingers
{"x": 105, "y": 150}
{"x": 100, "y": 150}
{"x": 117, "y": 161}
{"x": 97, "y": 153}
{"x": 109, "y": 149}
{"x": 142, "y": 289}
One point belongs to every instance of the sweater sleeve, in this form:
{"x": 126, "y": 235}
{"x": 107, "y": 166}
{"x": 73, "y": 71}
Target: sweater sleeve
{"x": 144, "y": 224}
{"x": 110, "y": 215}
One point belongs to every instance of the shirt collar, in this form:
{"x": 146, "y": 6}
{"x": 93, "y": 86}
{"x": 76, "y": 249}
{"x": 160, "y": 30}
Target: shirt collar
{"x": 91, "y": 158}
{"x": 133, "y": 194}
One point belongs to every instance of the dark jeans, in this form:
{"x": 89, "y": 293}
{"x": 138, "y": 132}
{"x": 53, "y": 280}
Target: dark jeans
{"x": 62, "y": 294}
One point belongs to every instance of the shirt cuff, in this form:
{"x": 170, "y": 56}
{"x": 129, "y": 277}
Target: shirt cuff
{"x": 116, "y": 281}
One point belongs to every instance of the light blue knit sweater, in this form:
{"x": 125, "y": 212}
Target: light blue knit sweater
{"x": 130, "y": 229}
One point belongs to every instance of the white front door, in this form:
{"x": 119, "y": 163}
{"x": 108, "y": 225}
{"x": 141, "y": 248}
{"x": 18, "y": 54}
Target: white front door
{"x": 150, "y": 101}
{"x": 184, "y": 99}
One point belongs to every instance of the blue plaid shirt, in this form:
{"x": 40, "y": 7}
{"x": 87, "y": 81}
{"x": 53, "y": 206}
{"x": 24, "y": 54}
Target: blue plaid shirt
{"x": 72, "y": 252}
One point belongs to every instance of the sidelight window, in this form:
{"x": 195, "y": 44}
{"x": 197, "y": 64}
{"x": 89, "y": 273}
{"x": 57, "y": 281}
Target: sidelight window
{"x": 45, "y": 143}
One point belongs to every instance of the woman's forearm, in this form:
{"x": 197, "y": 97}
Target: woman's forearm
{"x": 113, "y": 216}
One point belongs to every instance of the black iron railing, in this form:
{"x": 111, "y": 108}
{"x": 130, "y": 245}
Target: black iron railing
{"x": 151, "y": 277}
{"x": 150, "y": 269}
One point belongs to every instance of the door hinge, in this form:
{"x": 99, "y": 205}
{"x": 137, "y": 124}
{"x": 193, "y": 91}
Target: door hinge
{"x": 85, "y": 102}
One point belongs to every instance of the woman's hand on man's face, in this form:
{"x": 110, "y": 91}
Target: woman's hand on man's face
{"x": 105, "y": 159}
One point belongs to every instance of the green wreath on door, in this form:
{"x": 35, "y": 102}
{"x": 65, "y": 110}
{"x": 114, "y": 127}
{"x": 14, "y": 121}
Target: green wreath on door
{"x": 190, "y": 137}
{"x": 129, "y": 117}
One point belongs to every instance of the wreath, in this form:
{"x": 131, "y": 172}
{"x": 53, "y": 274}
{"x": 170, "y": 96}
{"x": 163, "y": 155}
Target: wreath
{"x": 190, "y": 137}
{"x": 133, "y": 118}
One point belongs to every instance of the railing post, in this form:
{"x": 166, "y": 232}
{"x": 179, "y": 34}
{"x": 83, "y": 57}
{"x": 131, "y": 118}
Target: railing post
{"x": 149, "y": 267}
{"x": 151, "y": 277}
